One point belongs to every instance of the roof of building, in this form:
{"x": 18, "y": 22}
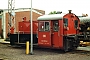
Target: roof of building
{"x": 41, "y": 12}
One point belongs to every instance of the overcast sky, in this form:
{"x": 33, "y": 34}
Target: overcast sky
{"x": 77, "y": 6}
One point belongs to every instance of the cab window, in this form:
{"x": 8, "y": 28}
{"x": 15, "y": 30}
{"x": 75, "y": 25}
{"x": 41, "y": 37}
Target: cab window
{"x": 55, "y": 26}
{"x": 65, "y": 21}
{"x": 76, "y": 23}
{"x": 44, "y": 26}
{"x": 47, "y": 26}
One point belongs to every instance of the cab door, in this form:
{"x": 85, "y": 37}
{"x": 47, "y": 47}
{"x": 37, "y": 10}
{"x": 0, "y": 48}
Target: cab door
{"x": 55, "y": 33}
{"x": 44, "y": 34}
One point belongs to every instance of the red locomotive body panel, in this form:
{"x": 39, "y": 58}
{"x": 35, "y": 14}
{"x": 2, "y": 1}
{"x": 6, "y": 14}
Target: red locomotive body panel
{"x": 44, "y": 39}
{"x": 24, "y": 27}
{"x": 61, "y": 34}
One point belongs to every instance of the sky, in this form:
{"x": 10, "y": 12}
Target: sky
{"x": 77, "y": 6}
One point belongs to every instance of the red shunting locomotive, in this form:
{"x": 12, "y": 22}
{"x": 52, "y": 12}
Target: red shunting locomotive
{"x": 57, "y": 31}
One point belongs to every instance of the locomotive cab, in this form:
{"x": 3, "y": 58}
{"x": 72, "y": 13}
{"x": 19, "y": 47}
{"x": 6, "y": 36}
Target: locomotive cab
{"x": 49, "y": 33}
{"x": 58, "y": 31}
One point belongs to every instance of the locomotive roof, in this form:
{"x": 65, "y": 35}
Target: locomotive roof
{"x": 51, "y": 17}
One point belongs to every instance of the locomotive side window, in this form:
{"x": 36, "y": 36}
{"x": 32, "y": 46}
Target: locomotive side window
{"x": 65, "y": 20}
{"x": 41, "y": 26}
{"x": 55, "y": 25}
{"x": 44, "y": 26}
{"x": 76, "y": 23}
{"x": 47, "y": 26}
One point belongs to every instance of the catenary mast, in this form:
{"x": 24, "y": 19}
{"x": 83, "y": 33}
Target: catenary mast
{"x": 11, "y": 12}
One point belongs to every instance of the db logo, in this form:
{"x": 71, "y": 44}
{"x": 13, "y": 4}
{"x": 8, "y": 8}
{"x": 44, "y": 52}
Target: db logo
{"x": 44, "y": 35}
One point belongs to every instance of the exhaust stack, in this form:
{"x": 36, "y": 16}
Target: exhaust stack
{"x": 70, "y": 11}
